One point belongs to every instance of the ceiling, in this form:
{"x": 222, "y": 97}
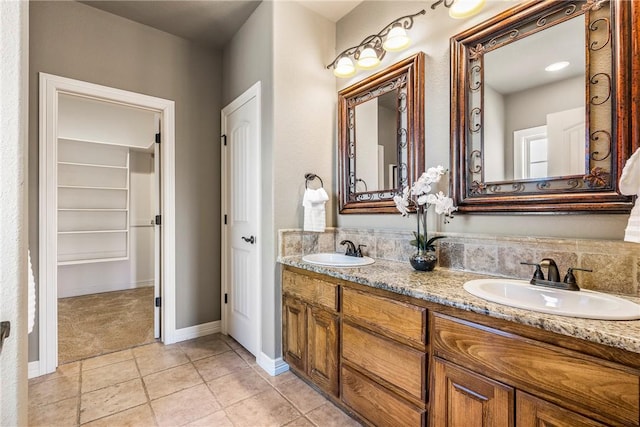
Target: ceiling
{"x": 527, "y": 58}
{"x": 330, "y": 9}
{"x": 208, "y": 22}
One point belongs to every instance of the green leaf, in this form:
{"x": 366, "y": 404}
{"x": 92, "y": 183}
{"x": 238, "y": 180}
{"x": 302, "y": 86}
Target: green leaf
{"x": 430, "y": 246}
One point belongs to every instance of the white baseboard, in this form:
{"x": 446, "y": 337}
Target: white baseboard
{"x": 272, "y": 366}
{"x": 196, "y": 331}
{"x": 33, "y": 369}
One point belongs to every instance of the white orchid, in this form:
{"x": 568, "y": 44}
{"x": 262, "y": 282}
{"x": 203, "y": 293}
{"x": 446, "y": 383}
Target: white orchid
{"x": 419, "y": 196}
{"x": 434, "y": 174}
{"x": 443, "y": 205}
{"x": 402, "y": 202}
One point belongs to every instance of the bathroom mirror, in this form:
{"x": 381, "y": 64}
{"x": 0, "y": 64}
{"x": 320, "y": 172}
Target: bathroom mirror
{"x": 536, "y": 93}
{"x": 381, "y": 137}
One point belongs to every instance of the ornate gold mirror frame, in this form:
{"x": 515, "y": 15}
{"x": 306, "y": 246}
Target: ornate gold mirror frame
{"x": 405, "y": 80}
{"x": 611, "y": 129}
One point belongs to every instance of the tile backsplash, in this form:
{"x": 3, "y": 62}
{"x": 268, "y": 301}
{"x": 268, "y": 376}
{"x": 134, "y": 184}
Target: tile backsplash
{"x": 615, "y": 264}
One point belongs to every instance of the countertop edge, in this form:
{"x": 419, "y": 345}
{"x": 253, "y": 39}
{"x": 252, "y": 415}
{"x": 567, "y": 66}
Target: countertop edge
{"x": 623, "y": 334}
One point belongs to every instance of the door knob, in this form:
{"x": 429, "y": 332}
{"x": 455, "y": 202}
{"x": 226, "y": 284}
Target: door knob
{"x": 251, "y": 239}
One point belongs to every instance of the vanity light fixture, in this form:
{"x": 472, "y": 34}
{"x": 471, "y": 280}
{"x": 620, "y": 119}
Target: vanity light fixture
{"x": 371, "y": 50}
{"x": 344, "y": 67}
{"x": 557, "y": 66}
{"x": 369, "y": 58}
{"x": 461, "y": 9}
{"x": 393, "y": 38}
{"x": 397, "y": 39}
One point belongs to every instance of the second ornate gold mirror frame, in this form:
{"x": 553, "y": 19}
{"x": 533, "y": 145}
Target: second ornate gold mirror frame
{"x": 389, "y": 153}
{"x": 609, "y": 116}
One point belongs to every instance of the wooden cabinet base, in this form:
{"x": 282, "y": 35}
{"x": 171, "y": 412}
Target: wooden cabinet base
{"x": 466, "y": 399}
{"x": 310, "y": 329}
{"x": 375, "y": 404}
{"x": 389, "y": 359}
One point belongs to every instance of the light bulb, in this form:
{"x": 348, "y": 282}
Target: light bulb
{"x": 368, "y": 58}
{"x": 344, "y": 68}
{"x": 465, "y": 8}
{"x": 397, "y": 39}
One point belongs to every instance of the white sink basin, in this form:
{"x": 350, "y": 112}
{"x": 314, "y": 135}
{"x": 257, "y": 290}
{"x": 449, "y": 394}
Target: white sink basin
{"x": 584, "y": 304}
{"x": 337, "y": 260}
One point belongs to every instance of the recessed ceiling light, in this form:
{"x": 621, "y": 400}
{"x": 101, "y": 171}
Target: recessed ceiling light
{"x": 557, "y": 66}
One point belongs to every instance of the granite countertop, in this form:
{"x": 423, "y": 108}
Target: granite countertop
{"x": 443, "y": 286}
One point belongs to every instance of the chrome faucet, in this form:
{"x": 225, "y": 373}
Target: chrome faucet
{"x": 553, "y": 276}
{"x": 351, "y": 248}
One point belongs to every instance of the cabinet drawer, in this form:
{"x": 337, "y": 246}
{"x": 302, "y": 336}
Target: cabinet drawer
{"x": 310, "y": 289}
{"x": 531, "y": 411}
{"x": 405, "y": 320}
{"x": 397, "y": 364}
{"x": 596, "y": 388}
{"x": 377, "y": 404}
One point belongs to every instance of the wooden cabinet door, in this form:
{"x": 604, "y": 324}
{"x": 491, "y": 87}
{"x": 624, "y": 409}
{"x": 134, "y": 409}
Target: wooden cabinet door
{"x": 294, "y": 333}
{"x": 323, "y": 349}
{"x": 462, "y": 398}
{"x": 534, "y": 412}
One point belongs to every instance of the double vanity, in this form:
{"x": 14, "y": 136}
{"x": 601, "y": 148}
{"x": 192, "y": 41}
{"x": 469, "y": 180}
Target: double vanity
{"x": 397, "y": 347}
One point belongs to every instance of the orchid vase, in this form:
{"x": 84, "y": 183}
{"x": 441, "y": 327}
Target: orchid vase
{"x": 419, "y": 198}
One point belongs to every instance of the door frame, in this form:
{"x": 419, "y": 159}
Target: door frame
{"x": 254, "y": 91}
{"x": 50, "y": 87}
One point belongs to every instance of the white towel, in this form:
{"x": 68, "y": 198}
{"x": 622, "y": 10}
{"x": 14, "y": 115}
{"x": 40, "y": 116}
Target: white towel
{"x": 630, "y": 186}
{"x": 314, "y": 210}
{"x": 31, "y": 298}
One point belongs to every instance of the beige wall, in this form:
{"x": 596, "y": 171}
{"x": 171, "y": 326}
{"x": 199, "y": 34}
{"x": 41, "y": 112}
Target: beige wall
{"x": 284, "y": 45}
{"x": 14, "y": 24}
{"x": 74, "y": 40}
{"x": 304, "y": 120}
{"x": 431, "y": 34}
{"x": 247, "y": 59}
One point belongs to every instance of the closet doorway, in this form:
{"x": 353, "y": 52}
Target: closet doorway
{"x": 106, "y": 181}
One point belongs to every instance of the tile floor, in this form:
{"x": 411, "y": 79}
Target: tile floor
{"x": 82, "y": 320}
{"x": 209, "y": 381}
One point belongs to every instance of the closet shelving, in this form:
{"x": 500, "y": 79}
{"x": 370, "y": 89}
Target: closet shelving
{"x": 93, "y": 202}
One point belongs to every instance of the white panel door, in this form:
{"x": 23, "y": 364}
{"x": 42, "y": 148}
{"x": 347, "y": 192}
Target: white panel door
{"x": 241, "y": 129}
{"x": 566, "y": 131}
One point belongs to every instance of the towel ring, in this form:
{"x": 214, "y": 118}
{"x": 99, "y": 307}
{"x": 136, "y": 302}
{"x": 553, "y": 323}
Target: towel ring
{"x": 366, "y": 189}
{"x": 310, "y": 177}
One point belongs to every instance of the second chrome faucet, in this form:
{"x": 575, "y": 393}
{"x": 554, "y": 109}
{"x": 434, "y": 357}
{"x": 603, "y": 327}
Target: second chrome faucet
{"x": 553, "y": 275}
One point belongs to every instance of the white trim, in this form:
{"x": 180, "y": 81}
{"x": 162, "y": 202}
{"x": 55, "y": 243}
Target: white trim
{"x": 254, "y": 91}
{"x": 224, "y": 242}
{"x": 521, "y": 141}
{"x": 33, "y": 369}
{"x": 50, "y": 87}
{"x": 197, "y": 331}
{"x": 272, "y": 366}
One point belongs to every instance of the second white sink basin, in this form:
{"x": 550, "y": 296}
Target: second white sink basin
{"x": 337, "y": 260}
{"x": 584, "y": 304}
